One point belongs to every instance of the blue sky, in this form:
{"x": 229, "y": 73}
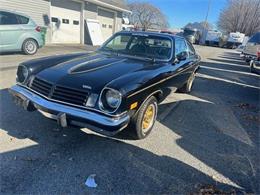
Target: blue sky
{"x": 181, "y": 12}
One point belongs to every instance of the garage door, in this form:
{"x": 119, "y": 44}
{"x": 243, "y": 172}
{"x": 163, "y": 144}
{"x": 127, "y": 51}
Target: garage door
{"x": 65, "y": 19}
{"x": 106, "y": 21}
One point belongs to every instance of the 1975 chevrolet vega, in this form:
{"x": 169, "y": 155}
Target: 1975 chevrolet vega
{"x": 120, "y": 84}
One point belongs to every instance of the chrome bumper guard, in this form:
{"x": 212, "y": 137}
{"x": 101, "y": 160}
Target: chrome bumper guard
{"x": 65, "y": 115}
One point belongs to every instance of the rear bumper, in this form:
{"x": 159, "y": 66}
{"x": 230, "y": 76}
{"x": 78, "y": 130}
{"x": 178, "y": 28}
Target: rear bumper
{"x": 67, "y": 115}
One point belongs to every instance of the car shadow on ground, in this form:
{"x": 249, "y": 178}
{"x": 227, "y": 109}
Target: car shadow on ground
{"x": 225, "y": 141}
{"x": 59, "y": 160}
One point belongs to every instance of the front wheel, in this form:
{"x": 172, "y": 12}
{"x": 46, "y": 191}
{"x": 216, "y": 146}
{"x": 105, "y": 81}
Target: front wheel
{"x": 144, "y": 120}
{"x": 30, "y": 47}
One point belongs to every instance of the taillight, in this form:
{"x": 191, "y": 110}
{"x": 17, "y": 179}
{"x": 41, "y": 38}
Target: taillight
{"x": 258, "y": 53}
{"x": 38, "y": 29}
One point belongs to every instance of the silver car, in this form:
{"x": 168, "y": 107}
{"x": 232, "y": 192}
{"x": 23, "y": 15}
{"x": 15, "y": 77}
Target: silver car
{"x": 19, "y": 32}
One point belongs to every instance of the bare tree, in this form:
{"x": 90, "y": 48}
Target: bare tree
{"x": 145, "y": 15}
{"x": 240, "y": 16}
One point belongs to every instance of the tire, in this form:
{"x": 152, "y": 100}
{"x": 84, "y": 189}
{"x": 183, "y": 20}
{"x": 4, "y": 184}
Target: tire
{"x": 142, "y": 128}
{"x": 252, "y": 70}
{"x": 30, "y": 47}
{"x": 186, "y": 88}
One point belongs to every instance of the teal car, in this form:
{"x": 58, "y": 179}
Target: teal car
{"x": 19, "y": 32}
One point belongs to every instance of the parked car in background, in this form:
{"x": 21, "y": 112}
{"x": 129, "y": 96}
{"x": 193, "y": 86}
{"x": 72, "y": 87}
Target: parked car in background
{"x": 251, "y": 48}
{"x": 213, "y": 37}
{"x": 120, "y": 84}
{"x": 192, "y": 35}
{"x": 235, "y": 39}
{"x": 19, "y": 32}
{"x": 255, "y": 63}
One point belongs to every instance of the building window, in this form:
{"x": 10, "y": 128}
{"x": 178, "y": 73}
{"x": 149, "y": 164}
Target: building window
{"x": 53, "y": 19}
{"x": 75, "y": 22}
{"x": 65, "y": 21}
{"x": 104, "y": 25}
{"x": 110, "y": 26}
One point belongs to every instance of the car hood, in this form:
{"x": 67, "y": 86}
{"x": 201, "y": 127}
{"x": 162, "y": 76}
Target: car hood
{"x": 92, "y": 72}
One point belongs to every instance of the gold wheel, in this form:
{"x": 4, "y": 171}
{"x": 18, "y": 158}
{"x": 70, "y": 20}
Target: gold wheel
{"x": 148, "y": 118}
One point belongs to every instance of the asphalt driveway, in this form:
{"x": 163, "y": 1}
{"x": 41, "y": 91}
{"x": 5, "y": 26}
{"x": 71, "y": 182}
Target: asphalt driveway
{"x": 208, "y": 137}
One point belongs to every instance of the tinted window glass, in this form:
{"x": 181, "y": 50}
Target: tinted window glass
{"x": 148, "y": 46}
{"x": 180, "y": 46}
{"x": 8, "y": 18}
{"x": 22, "y": 19}
{"x": 191, "y": 50}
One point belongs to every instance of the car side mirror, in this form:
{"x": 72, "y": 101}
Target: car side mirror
{"x": 181, "y": 56}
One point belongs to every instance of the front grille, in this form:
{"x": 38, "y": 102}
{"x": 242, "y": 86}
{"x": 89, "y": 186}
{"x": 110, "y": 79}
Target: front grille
{"x": 60, "y": 93}
{"x": 41, "y": 86}
{"x": 70, "y": 95}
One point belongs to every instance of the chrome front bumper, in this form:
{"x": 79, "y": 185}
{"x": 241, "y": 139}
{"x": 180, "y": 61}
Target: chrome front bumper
{"x": 68, "y": 115}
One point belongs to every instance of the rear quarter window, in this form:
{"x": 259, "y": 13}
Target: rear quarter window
{"x": 22, "y": 19}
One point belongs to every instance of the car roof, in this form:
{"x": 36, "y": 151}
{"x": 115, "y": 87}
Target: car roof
{"x": 149, "y": 33}
{"x": 14, "y": 12}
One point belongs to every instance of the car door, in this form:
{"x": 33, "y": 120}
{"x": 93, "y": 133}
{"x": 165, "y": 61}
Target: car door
{"x": 182, "y": 63}
{"x": 10, "y": 31}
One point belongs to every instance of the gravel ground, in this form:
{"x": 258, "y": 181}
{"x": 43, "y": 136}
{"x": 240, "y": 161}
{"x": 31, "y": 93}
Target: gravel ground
{"x": 210, "y": 136}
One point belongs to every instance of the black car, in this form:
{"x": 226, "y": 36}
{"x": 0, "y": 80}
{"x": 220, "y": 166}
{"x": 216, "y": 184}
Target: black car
{"x": 120, "y": 84}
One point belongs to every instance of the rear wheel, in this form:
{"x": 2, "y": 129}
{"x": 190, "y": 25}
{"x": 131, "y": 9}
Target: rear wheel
{"x": 30, "y": 47}
{"x": 144, "y": 120}
{"x": 252, "y": 67}
{"x": 186, "y": 88}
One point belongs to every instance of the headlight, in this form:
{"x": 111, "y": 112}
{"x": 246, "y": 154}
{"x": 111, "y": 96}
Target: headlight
{"x": 113, "y": 98}
{"x": 110, "y": 100}
{"x": 22, "y": 74}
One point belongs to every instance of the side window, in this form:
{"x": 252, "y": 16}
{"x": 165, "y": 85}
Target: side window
{"x": 8, "y": 18}
{"x": 119, "y": 42}
{"x": 22, "y": 19}
{"x": 191, "y": 50}
{"x": 180, "y": 46}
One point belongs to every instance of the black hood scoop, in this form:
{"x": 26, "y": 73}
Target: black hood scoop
{"x": 93, "y": 65}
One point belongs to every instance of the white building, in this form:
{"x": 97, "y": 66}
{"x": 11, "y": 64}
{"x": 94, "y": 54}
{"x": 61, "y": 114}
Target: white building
{"x": 66, "y": 20}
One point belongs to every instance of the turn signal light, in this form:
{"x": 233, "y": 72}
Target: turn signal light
{"x": 258, "y": 53}
{"x": 133, "y": 105}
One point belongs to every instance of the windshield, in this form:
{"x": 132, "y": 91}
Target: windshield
{"x": 148, "y": 46}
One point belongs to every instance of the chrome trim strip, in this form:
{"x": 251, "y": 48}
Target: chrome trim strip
{"x": 157, "y": 83}
{"x": 84, "y": 114}
{"x": 73, "y": 105}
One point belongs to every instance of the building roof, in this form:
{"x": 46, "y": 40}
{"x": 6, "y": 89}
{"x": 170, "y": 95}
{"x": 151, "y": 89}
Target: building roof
{"x": 119, "y": 5}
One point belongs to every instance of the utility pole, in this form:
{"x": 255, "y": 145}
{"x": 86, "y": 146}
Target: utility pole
{"x": 205, "y": 23}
